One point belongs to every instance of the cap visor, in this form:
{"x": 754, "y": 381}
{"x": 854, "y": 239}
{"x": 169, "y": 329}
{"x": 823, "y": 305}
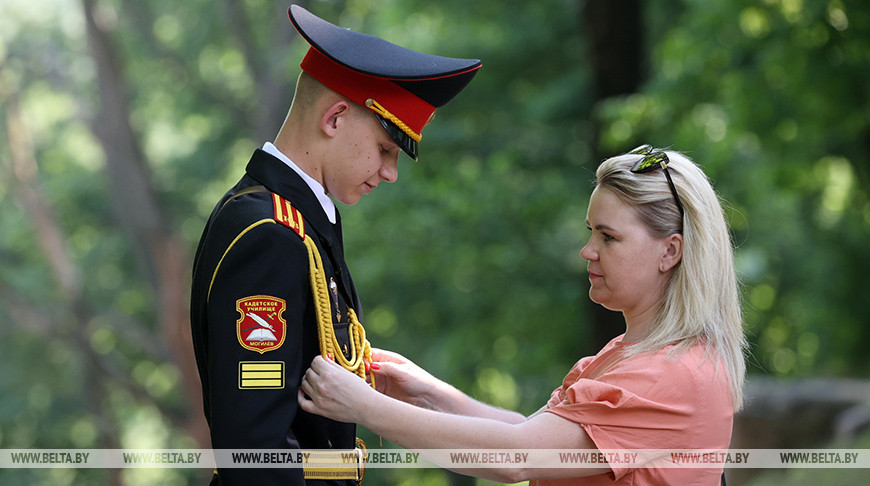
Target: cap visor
{"x": 408, "y": 144}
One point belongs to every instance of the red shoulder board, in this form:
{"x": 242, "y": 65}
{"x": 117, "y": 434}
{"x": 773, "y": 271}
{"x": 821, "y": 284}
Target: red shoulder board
{"x": 289, "y": 216}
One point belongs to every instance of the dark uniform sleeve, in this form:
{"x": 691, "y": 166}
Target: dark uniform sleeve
{"x": 271, "y": 262}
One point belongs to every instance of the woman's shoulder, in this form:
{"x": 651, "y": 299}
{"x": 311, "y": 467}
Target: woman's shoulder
{"x": 674, "y": 367}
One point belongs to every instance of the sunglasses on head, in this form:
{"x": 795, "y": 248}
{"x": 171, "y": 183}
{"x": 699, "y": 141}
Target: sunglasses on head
{"x": 655, "y": 159}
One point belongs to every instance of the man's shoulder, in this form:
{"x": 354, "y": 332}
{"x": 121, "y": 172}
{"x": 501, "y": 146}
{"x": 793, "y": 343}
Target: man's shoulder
{"x": 249, "y": 204}
{"x": 244, "y": 214}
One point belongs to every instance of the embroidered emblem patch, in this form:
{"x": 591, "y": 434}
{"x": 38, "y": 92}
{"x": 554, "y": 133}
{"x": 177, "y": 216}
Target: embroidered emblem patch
{"x": 261, "y": 327}
{"x": 259, "y": 375}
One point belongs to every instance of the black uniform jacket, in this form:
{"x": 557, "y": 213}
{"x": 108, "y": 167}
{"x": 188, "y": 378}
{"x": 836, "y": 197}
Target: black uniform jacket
{"x": 253, "y": 321}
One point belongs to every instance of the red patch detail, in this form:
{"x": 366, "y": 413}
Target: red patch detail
{"x": 261, "y": 327}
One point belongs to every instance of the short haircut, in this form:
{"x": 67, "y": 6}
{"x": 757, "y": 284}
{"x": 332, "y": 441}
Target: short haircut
{"x": 308, "y": 91}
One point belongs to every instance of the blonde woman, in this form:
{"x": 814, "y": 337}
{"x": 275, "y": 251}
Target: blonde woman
{"x": 660, "y": 253}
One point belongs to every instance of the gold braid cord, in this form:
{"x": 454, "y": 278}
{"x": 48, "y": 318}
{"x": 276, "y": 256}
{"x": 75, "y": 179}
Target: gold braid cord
{"x": 361, "y": 350}
{"x": 380, "y": 110}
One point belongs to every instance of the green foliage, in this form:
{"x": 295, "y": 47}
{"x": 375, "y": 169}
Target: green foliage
{"x": 470, "y": 264}
{"x": 772, "y": 99}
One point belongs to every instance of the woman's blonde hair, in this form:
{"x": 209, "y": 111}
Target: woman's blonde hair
{"x": 701, "y": 302}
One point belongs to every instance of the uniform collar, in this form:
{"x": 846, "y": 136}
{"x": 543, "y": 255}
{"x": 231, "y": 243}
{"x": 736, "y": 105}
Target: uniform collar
{"x": 267, "y": 170}
{"x": 325, "y": 202}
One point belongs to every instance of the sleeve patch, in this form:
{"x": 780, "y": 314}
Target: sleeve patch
{"x": 260, "y": 375}
{"x": 261, "y": 326}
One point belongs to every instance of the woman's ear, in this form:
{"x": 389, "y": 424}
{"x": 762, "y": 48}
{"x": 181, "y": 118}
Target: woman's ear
{"x": 333, "y": 116}
{"x": 673, "y": 252}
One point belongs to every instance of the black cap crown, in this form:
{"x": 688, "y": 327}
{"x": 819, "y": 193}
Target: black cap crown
{"x": 401, "y": 86}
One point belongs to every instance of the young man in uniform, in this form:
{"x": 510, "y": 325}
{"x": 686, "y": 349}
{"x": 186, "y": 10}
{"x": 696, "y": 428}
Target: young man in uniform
{"x": 271, "y": 288}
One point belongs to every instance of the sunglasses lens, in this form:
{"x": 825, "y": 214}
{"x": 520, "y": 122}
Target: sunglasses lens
{"x": 652, "y": 161}
{"x": 642, "y": 149}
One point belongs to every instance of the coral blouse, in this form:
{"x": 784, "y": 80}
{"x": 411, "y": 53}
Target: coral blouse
{"x": 648, "y": 401}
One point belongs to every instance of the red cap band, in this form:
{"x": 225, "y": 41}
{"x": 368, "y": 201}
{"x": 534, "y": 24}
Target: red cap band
{"x": 359, "y": 87}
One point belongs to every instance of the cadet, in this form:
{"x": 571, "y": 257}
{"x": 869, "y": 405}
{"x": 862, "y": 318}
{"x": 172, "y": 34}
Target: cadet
{"x": 271, "y": 288}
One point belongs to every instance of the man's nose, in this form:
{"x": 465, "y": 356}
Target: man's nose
{"x": 390, "y": 170}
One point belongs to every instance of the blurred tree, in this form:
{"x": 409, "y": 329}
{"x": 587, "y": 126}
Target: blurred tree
{"x": 614, "y": 32}
{"x": 137, "y": 210}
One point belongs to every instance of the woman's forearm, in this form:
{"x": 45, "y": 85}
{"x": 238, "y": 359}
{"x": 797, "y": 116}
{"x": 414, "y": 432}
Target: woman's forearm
{"x": 447, "y": 398}
{"x": 400, "y": 378}
{"x": 415, "y": 427}
{"x": 419, "y": 429}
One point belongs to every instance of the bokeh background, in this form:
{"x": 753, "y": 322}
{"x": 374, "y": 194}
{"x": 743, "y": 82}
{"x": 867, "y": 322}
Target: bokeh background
{"x": 123, "y": 121}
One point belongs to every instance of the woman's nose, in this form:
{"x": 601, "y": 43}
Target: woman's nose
{"x": 587, "y": 253}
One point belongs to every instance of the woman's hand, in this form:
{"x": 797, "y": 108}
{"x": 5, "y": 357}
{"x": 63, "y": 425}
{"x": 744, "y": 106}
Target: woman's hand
{"x": 399, "y": 378}
{"x": 329, "y": 390}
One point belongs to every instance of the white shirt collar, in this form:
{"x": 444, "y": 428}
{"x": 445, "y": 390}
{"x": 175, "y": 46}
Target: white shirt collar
{"x": 325, "y": 202}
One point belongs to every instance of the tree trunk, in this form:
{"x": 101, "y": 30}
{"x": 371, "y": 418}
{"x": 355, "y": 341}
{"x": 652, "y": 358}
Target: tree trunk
{"x": 67, "y": 276}
{"x": 614, "y": 36}
{"x": 153, "y": 243}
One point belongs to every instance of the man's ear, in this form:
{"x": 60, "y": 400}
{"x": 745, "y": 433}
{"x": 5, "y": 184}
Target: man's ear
{"x": 333, "y": 116}
{"x": 673, "y": 252}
